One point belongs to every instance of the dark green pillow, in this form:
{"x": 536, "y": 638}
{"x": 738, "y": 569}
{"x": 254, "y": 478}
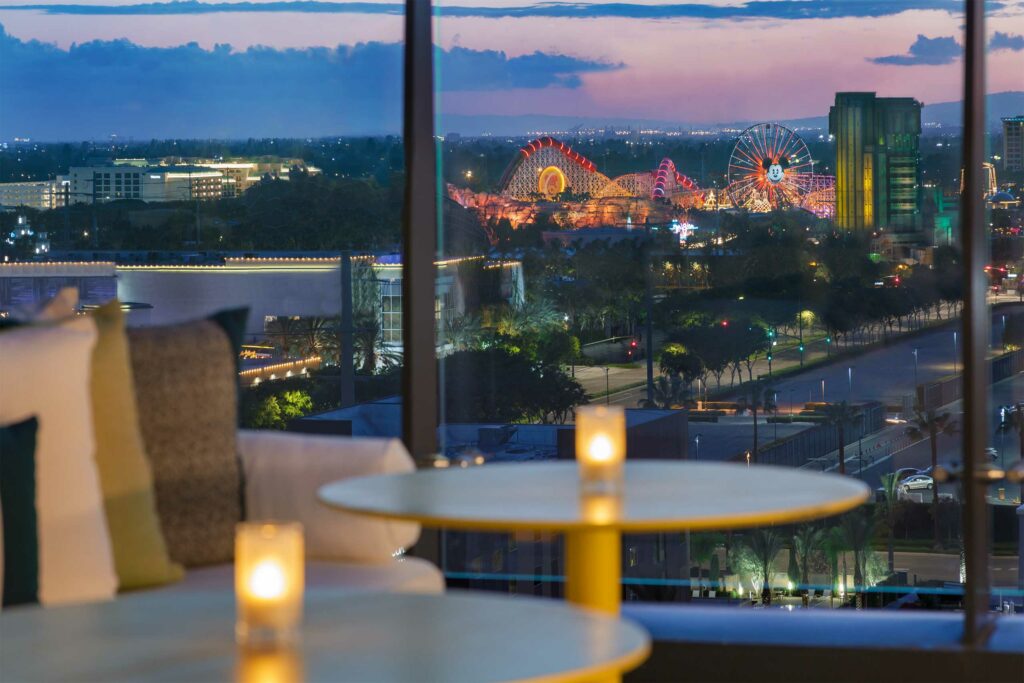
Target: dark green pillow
{"x": 18, "y": 506}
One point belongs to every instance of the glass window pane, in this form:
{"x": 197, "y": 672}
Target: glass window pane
{"x": 759, "y": 257}
{"x": 193, "y": 162}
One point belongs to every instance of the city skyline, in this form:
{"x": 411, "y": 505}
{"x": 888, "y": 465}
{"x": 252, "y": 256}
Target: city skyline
{"x": 312, "y": 69}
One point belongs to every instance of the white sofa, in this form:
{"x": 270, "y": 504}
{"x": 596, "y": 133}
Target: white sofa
{"x": 282, "y": 473}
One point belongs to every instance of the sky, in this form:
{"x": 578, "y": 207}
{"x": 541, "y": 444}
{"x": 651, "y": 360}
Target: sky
{"x": 86, "y": 69}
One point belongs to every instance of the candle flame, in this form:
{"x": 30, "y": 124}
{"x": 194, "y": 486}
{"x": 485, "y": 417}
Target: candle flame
{"x": 267, "y": 580}
{"x": 601, "y": 448}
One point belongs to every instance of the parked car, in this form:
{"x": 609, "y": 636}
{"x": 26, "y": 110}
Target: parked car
{"x": 904, "y": 472}
{"x": 917, "y": 482}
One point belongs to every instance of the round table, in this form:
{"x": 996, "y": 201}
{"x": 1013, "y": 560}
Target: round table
{"x": 656, "y": 496}
{"x": 383, "y": 638}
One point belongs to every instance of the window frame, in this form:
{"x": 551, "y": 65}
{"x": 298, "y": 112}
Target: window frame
{"x": 420, "y": 231}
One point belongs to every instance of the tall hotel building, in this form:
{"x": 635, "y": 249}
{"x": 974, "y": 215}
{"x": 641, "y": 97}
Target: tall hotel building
{"x": 1013, "y": 143}
{"x": 877, "y": 161}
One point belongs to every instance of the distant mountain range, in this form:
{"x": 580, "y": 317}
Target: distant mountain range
{"x": 944, "y": 114}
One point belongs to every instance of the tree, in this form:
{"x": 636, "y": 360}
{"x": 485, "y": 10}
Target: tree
{"x": 702, "y": 549}
{"x": 841, "y": 414}
{"x": 1014, "y": 419}
{"x": 928, "y": 424}
{"x": 668, "y": 393}
{"x": 858, "y": 527}
{"x": 757, "y": 395}
{"x": 833, "y": 544}
{"x": 497, "y": 384}
{"x": 806, "y": 542}
{"x": 889, "y": 491}
{"x": 462, "y": 332}
{"x": 764, "y": 545}
{"x": 260, "y": 410}
{"x": 676, "y": 361}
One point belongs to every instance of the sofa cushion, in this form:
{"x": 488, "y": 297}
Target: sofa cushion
{"x": 140, "y": 553}
{"x": 44, "y": 372}
{"x": 407, "y": 575}
{"x": 19, "y": 531}
{"x": 284, "y": 473}
{"x": 186, "y": 384}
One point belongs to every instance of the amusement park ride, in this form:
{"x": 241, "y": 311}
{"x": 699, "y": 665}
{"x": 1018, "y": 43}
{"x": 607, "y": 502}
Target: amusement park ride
{"x": 770, "y": 168}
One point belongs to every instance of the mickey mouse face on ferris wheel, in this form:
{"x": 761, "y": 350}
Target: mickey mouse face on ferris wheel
{"x": 776, "y": 169}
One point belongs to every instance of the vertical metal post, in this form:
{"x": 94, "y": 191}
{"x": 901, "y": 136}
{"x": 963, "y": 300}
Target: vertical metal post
{"x": 346, "y": 360}
{"x": 976, "y": 328}
{"x": 419, "y": 236}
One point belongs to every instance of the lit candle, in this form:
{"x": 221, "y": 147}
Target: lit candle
{"x": 269, "y": 582}
{"x": 600, "y": 447}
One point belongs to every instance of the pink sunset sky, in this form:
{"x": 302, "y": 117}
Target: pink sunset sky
{"x": 686, "y": 69}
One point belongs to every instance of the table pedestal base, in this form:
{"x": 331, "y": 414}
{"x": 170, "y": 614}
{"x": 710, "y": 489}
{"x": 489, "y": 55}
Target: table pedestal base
{"x": 593, "y": 569}
{"x": 593, "y": 573}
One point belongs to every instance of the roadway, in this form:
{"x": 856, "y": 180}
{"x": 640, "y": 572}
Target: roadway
{"x": 884, "y": 374}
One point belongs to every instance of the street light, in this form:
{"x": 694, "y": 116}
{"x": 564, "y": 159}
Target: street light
{"x": 849, "y": 379}
{"x": 915, "y": 369}
{"x": 954, "y": 354}
{"x": 607, "y": 390}
{"x": 696, "y": 452}
{"x": 822, "y": 389}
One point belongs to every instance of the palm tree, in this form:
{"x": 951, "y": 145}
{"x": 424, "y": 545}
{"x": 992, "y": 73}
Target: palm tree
{"x": 668, "y": 392}
{"x": 368, "y": 343}
{"x": 806, "y": 541}
{"x": 702, "y": 548}
{"x": 841, "y": 414}
{"x": 833, "y": 544}
{"x": 1015, "y": 420}
{"x": 757, "y": 395}
{"x": 889, "y": 489}
{"x": 285, "y": 332}
{"x": 462, "y": 332}
{"x": 319, "y": 337}
{"x": 928, "y": 424}
{"x": 764, "y": 545}
{"x": 857, "y": 529}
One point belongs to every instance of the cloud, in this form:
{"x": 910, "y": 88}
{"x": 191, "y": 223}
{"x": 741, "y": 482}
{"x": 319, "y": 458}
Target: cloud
{"x": 924, "y": 50}
{"x": 1006, "y": 41}
{"x": 102, "y": 87}
{"x": 754, "y": 9}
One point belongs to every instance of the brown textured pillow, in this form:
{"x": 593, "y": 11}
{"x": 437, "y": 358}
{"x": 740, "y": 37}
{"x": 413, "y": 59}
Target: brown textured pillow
{"x": 186, "y": 383}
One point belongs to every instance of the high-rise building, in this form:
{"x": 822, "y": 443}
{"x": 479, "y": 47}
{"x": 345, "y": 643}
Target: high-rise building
{"x": 877, "y": 161}
{"x": 1013, "y": 143}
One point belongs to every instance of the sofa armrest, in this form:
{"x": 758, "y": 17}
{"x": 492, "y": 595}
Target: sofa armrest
{"x": 283, "y": 472}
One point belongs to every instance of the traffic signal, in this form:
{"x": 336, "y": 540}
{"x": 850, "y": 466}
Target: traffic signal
{"x": 828, "y": 340}
{"x": 632, "y": 344}
{"x": 801, "y": 348}
{"x": 769, "y": 356}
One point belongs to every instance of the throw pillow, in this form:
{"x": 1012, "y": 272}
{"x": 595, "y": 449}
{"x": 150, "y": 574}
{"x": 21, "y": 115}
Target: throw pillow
{"x": 19, "y": 544}
{"x": 44, "y": 372}
{"x": 140, "y": 553}
{"x": 186, "y": 384}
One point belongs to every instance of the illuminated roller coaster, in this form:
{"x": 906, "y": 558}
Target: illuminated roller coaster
{"x": 546, "y": 168}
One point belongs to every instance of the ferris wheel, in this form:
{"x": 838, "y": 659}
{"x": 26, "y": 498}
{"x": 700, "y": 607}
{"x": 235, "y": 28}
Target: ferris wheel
{"x": 769, "y": 168}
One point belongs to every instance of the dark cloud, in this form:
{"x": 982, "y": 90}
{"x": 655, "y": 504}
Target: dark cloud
{"x": 942, "y": 50}
{"x": 1006, "y": 41}
{"x": 103, "y": 87}
{"x": 755, "y": 9}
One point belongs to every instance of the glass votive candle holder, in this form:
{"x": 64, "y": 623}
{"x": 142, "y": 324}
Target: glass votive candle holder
{"x": 269, "y": 583}
{"x": 600, "y": 448}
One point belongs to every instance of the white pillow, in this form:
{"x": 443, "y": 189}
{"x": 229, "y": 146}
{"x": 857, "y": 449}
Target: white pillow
{"x": 284, "y": 471}
{"x": 45, "y": 371}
